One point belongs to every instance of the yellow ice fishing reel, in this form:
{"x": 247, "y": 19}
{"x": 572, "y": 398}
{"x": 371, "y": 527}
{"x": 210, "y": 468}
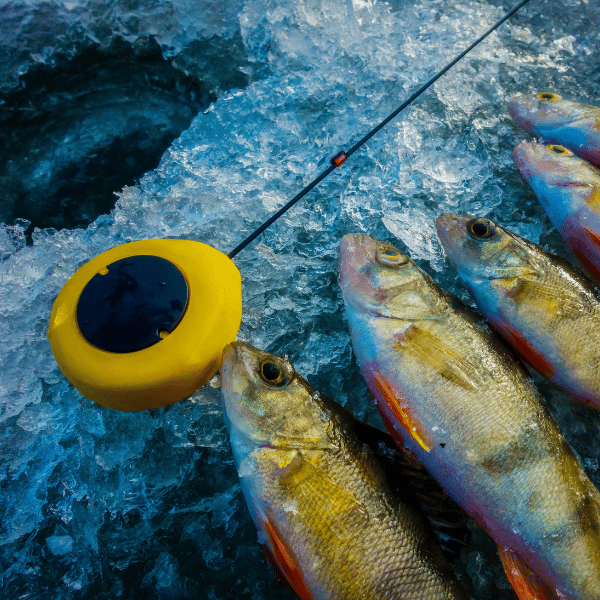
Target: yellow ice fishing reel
{"x": 144, "y": 324}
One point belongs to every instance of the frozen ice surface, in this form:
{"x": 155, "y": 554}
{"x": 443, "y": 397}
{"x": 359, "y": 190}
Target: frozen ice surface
{"x": 101, "y": 504}
{"x": 37, "y": 32}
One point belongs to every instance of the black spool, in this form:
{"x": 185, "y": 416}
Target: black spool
{"x": 133, "y": 305}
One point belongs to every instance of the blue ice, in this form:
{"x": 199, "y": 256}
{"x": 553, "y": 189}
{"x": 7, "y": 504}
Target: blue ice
{"x": 96, "y": 503}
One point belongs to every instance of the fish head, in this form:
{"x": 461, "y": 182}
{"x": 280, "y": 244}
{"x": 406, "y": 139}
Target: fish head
{"x": 378, "y": 279}
{"x": 481, "y": 250}
{"x": 544, "y": 110}
{"x": 266, "y": 403}
{"x": 552, "y": 164}
{"x": 563, "y": 183}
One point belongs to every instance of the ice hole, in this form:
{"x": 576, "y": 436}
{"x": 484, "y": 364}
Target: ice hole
{"x": 74, "y": 134}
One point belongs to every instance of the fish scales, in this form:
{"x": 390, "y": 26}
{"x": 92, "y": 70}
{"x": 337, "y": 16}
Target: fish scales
{"x": 319, "y": 496}
{"x": 558, "y": 121}
{"x": 544, "y": 308}
{"x": 568, "y": 189}
{"x": 474, "y": 419}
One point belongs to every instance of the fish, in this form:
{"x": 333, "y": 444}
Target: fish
{"x": 335, "y": 523}
{"x": 557, "y": 121}
{"x": 568, "y": 189}
{"x": 538, "y": 302}
{"x": 451, "y": 393}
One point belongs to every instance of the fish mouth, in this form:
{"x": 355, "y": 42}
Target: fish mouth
{"x": 537, "y": 163}
{"x": 515, "y": 107}
{"x": 460, "y": 248}
{"x": 350, "y": 242}
{"x": 451, "y": 232}
{"x": 233, "y": 366}
{"x": 520, "y": 108}
{"x": 442, "y": 224}
{"x": 230, "y": 353}
{"x": 445, "y": 223}
{"x": 354, "y": 282}
{"x": 358, "y": 260}
{"x": 522, "y": 157}
{"x": 531, "y": 112}
{"x": 353, "y": 254}
{"x": 235, "y": 376}
{"x": 230, "y": 358}
{"x": 449, "y": 225}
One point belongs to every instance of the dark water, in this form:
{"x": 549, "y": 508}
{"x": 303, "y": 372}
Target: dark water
{"x": 77, "y": 131}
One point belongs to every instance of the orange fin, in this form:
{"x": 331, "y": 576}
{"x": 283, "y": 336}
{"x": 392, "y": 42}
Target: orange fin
{"x": 585, "y": 244}
{"x": 284, "y": 563}
{"x": 590, "y": 267}
{"x": 530, "y": 354}
{"x": 592, "y": 237}
{"x": 525, "y": 583}
{"x": 399, "y": 441}
{"x": 401, "y": 413}
{"x": 275, "y": 566}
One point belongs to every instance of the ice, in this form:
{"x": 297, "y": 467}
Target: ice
{"x": 421, "y": 244}
{"x": 60, "y": 545}
{"x": 38, "y": 32}
{"x": 97, "y": 503}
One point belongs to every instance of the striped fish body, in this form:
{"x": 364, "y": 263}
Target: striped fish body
{"x": 571, "y": 124}
{"x": 569, "y": 190}
{"x": 327, "y": 516}
{"x": 540, "y": 304}
{"x": 450, "y": 393}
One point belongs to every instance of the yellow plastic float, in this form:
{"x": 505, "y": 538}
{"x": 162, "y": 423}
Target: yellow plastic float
{"x": 144, "y": 324}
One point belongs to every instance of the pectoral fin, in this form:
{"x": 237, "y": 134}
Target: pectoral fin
{"x": 435, "y": 353}
{"x": 551, "y": 299}
{"x": 593, "y": 200}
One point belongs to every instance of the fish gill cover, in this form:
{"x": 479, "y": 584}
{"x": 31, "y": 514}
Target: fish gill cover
{"x": 96, "y": 503}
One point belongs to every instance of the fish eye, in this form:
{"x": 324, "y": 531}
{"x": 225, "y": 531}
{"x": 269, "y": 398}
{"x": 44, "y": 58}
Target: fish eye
{"x": 481, "y": 228}
{"x": 388, "y": 256}
{"x": 549, "y": 96}
{"x": 558, "y": 149}
{"x": 271, "y": 373}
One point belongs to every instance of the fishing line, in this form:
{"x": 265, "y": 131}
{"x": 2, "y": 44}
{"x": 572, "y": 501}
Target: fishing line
{"x": 340, "y": 158}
